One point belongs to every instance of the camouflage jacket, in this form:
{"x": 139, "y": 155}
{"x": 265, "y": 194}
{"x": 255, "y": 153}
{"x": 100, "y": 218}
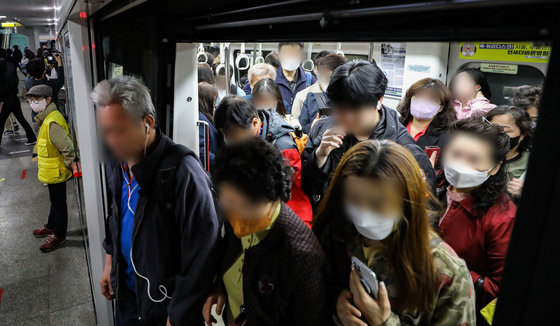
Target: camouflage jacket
{"x": 455, "y": 302}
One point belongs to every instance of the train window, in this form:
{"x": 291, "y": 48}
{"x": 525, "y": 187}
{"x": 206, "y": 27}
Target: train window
{"x": 504, "y": 79}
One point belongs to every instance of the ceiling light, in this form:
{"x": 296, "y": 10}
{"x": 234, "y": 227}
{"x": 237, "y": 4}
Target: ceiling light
{"x": 2, "y": 17}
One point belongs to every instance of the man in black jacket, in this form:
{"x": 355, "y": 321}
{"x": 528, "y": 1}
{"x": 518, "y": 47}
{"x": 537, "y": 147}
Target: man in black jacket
{"x": 163, "y": 228}
{"x": 356, "y": 92}
{"x": 10, "y": 99}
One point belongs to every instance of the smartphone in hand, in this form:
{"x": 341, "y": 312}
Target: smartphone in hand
{"x": 367, "y": 277}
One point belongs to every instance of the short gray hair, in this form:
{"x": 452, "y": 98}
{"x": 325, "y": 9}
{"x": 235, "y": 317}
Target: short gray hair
{"x": 127, "y": 91}
{"x": 261, "y": 69}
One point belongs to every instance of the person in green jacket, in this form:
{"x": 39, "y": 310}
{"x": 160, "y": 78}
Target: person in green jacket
{"x": 55, "y": 154}
{"x": 376, "y": 211}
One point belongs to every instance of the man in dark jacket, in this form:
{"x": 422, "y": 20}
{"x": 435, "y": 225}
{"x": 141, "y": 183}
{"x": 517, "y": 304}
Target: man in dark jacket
{"x": 237, "y": 119}
{"x": 163, "y": 227}
{"x": 356, "y": 91}
{"x": 37, "y": 71}
{"x": 290, "y": 76}
{"x": 9, "y": 99}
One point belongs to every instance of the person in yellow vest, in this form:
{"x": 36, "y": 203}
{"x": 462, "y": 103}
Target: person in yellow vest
{"x": 55, "y": 154}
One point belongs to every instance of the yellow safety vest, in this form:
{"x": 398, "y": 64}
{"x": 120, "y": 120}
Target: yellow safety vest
{"x": 51, "y": 162}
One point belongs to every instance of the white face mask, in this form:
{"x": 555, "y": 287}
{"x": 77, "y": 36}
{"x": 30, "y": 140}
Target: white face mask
{"x": 370, "y": 224}
{"x": 38, "y": 107}
{"x": 462, "y": 176}
{"x": 290, "y": 64}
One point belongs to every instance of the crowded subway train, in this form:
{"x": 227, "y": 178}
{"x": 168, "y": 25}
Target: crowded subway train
{"x": 279, "y": 162}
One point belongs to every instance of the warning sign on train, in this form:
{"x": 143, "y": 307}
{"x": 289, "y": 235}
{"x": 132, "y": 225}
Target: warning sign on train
{"x": 505, "y": 51}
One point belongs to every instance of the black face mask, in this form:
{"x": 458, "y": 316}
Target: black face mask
{"x": 514, "y": 141}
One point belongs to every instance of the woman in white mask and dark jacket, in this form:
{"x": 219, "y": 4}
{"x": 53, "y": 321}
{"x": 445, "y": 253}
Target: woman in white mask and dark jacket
{"x": 375, "y": 210}
{"x": 479, "y": 216}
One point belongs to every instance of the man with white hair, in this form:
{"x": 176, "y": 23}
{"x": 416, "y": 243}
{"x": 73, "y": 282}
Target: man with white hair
{"x": 256, "y": 73}
{"x": 163, "y": 227}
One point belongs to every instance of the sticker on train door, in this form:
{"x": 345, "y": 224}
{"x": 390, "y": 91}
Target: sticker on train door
{"x": 498, "y": 68}
{"x": 505, "y": 51}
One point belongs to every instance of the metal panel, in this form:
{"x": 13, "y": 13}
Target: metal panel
{"x": 90, "y": 158}
{"x": 185, "y": 102}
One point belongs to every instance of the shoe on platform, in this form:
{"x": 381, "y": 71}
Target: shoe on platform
{"x": 42, "y": 232}
{"x": 27, "y": 143}
{"x": 52, "y": 243}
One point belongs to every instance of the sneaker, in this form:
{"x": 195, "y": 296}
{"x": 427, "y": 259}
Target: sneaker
{"x": 42, "y": 232}
{"x": 52, "y": 243}
{"x": 30, "y": 143}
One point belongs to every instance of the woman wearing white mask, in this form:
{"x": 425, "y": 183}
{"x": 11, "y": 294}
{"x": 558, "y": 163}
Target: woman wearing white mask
{"x": 427, "y": 112}
{"x": 479, "y": 216}
{"x": 376, "y": 210}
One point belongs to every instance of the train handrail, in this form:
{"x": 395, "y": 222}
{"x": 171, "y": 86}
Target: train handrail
{"x": 259, "y": 58}
{"x": 339, "y": 49}
{"x": 201, "y": 53}
{"x": 206, "y": 143}
{"x": 242, "y": 56}
{"x": 308, "y": 62}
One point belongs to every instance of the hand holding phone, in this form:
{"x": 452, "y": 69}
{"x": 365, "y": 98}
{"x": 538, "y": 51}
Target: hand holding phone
{"x": 367, "y": 277}
{"x": 430, "y": 150}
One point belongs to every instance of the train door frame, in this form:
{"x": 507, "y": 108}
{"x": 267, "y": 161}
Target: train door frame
{"x": 78, "y": 32}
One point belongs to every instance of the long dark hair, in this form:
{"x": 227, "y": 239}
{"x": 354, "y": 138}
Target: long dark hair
{"x": 527, "y": 97}
{"x": 522, "y": 120}
{"x": 478, "y": 78}
{"x": 444, "y": 118}
{"x": 205, "y": 73}
{"x": 207, "y": 95}
{"x": 493, "y": 190}
{"x": 408, "y": 248}
{"x": 269, "y": 86}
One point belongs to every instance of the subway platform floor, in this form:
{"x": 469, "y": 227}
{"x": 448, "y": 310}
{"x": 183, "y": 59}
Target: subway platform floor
{"x": 38, "y": 288}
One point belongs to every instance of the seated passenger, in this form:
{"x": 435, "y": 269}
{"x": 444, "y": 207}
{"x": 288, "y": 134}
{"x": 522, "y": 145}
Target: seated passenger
{"x": 528, "y": 98}
{"x": 356, "y": 92}
{"x": 237, "y": 119}
{"x": 207, "y": 95}
{"x": 376, "y": 210}
{"x": 427, "y": 112}
{"x": 290, "y": 76}
{"x": 517, "y": 124}
{"x": 55, "y": 154}
{"x": 163, "y": 227}
{"x": 221, "y": 83}
{"x": 307, "y": 102}
{"x": 256, "y": 73}
{"x": 472, "y": 93}
{"x": 479, "y": 216}
{"x": 274, "y": 271}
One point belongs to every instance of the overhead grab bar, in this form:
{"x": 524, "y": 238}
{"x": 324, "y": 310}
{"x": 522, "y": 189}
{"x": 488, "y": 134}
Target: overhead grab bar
{"x": 308, "y": 64}
{"x": 242, "y": 56}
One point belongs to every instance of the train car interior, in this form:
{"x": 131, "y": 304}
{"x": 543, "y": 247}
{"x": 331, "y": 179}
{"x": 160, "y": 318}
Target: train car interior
{"x": 165, "y": 44}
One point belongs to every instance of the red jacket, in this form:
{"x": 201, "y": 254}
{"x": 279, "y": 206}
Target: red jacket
{"x": 277, "y": 131}
{"x": 481, "y": 242}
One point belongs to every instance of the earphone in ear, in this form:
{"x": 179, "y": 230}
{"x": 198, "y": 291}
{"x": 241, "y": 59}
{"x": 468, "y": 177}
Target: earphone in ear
{"x": 147, "y": 128}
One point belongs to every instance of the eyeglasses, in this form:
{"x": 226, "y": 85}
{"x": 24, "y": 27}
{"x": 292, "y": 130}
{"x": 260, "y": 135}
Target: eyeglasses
{"x": 31, "y": 101}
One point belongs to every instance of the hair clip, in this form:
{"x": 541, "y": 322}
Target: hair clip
{"x": 486, "y": 120}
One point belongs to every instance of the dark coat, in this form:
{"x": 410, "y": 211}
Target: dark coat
{"x": 431, "y": 138}
{"x": 309, "y": 112}
{"x": 8, "y": 78}
{"x": 291, "y": 259}
{"x": 302, "y": 83}
{"x": 55, "y": 84}
{"x": 315, "y": 179}
{"x": 177, "y": 252}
